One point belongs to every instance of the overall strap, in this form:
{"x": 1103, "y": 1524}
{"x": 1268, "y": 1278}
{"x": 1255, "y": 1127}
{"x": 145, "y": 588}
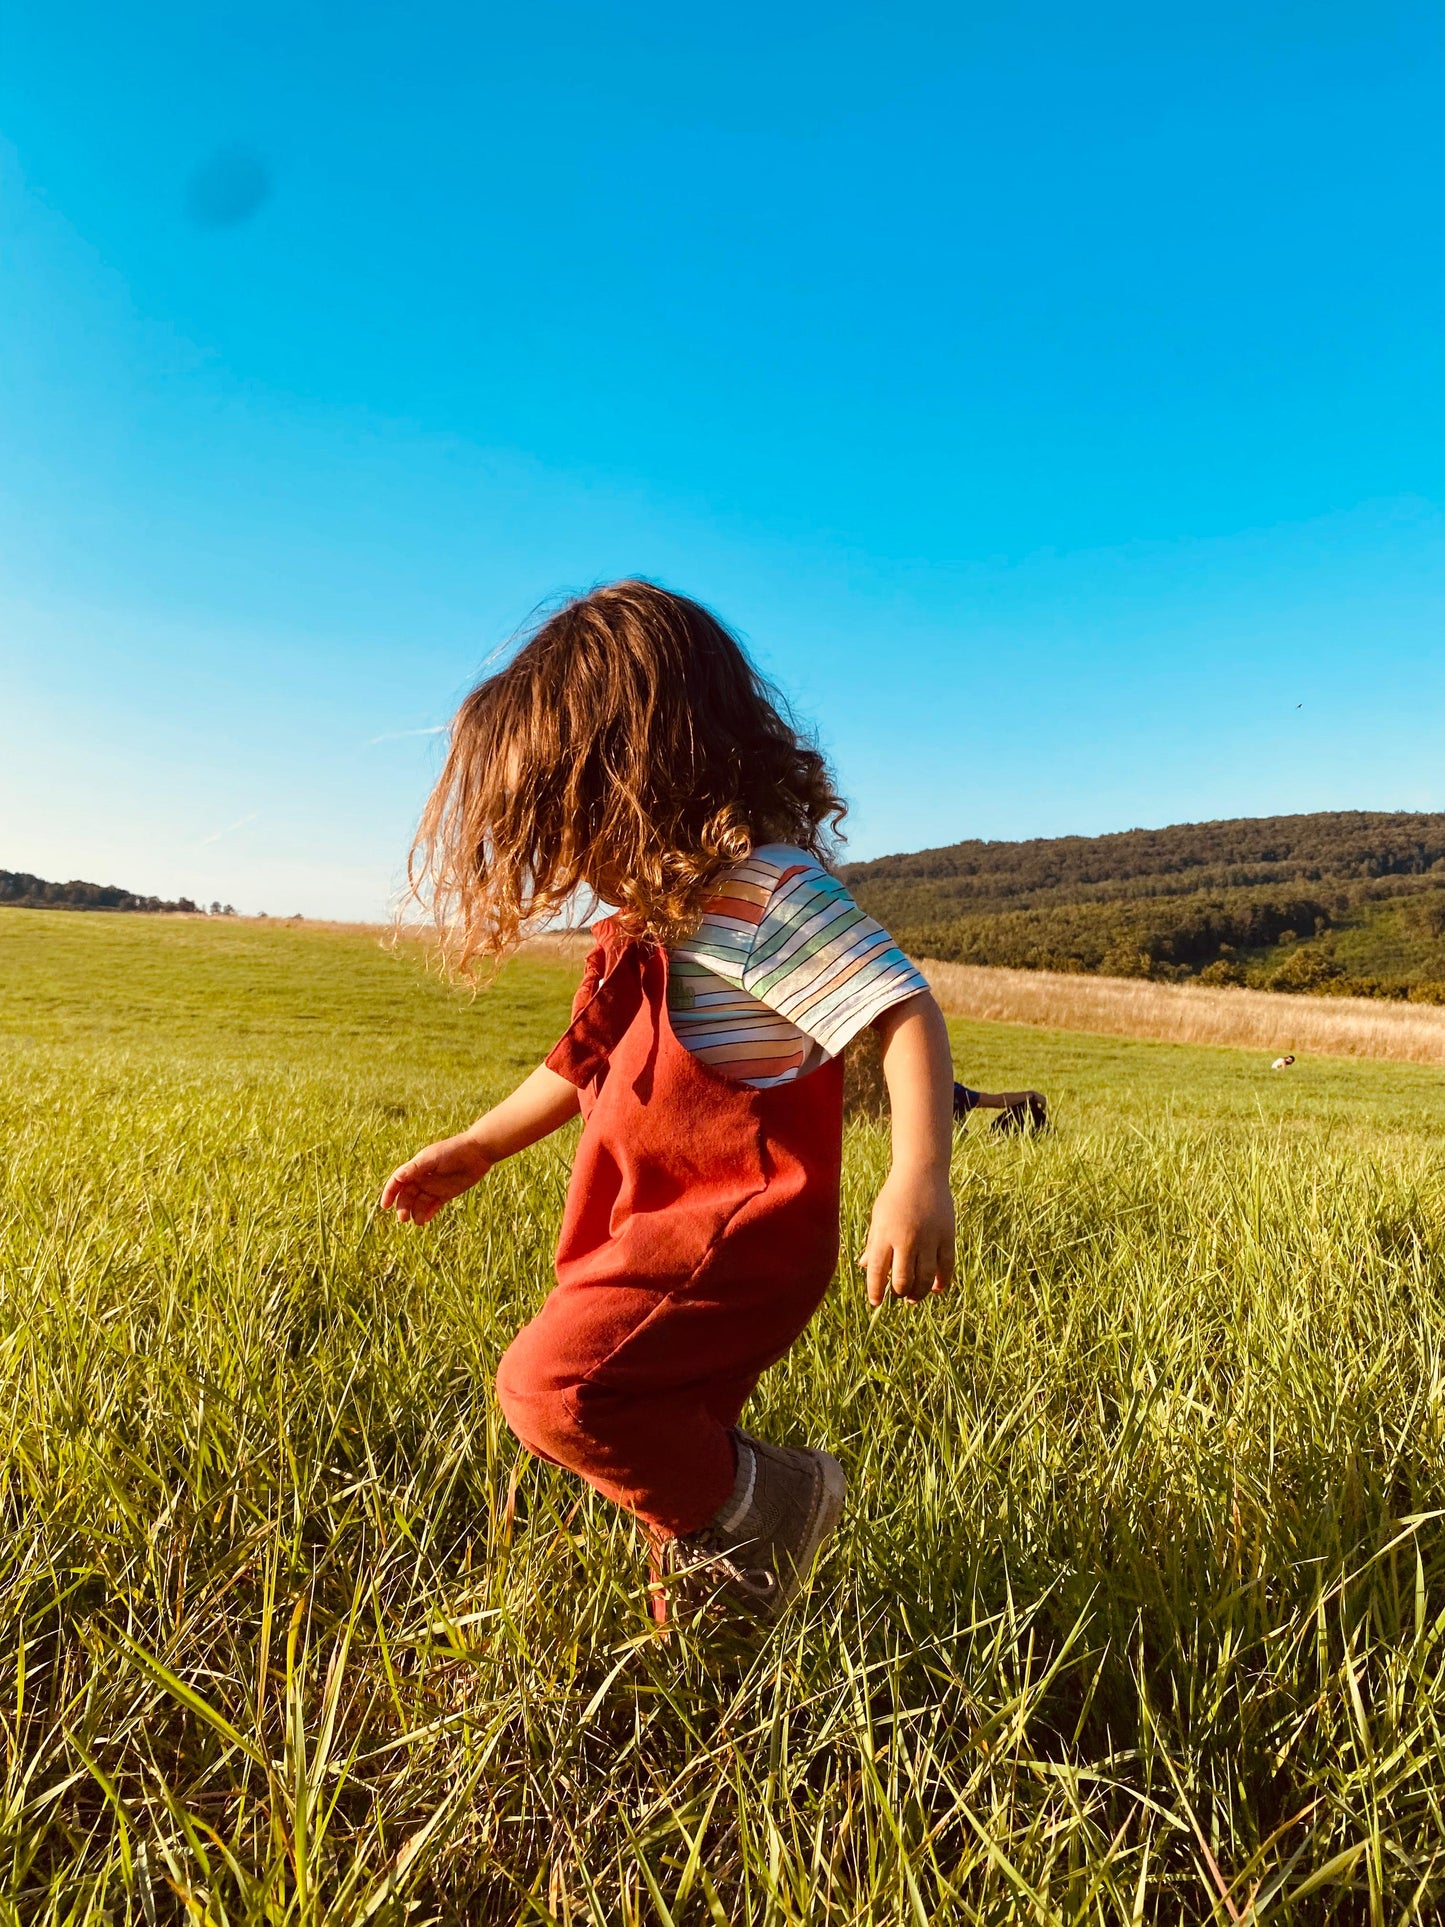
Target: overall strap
{"x": 607, "y": 1000}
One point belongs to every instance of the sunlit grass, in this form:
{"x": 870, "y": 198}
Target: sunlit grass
{"x": 1137, "y": 1613}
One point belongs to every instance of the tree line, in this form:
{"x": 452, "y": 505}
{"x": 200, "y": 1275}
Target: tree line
{"x": 22, "y": 891}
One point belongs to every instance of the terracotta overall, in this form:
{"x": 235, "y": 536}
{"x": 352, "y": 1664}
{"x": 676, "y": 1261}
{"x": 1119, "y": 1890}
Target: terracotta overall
{"x": 699, "y": 1237}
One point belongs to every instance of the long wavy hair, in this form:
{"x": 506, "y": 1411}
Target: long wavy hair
{"x": 627, "y": 753}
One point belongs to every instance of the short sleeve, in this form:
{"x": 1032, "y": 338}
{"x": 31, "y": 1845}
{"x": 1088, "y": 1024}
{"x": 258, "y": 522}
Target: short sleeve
{"x": 821, "y": 962}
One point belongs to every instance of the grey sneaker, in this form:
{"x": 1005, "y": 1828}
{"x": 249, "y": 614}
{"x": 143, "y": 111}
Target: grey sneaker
{"x": 756, "y": 1555}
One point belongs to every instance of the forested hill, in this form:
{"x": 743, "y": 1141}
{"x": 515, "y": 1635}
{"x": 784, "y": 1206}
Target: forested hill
{"x": 1341, "y": 900}
{"x": 20, "y": 891}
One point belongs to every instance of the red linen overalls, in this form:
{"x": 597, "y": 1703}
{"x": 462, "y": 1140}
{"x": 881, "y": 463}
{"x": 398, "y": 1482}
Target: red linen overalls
{"x": 699, "y": 1236}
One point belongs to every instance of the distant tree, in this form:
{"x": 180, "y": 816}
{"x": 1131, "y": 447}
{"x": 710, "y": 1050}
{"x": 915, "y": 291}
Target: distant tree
{"x": 1305, "y": 969}
{"x": 1223, "y": 971}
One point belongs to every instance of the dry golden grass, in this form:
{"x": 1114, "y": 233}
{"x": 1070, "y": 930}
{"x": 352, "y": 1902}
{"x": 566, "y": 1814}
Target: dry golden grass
{"x": 1191, "y": 1013}
{"x": 558, "y": 946}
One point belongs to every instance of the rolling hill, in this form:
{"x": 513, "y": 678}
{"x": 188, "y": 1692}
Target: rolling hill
{"x": 1343, "y": 901}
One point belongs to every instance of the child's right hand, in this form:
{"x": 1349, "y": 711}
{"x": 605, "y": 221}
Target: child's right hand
{"x": 418, "y": 1189}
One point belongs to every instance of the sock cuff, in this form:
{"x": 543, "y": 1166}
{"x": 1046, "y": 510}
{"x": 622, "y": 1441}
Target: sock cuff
{"x": 735, "y": 1511}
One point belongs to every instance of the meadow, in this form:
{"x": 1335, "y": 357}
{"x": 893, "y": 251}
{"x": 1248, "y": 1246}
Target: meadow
{"x": 1138, "y": 1613}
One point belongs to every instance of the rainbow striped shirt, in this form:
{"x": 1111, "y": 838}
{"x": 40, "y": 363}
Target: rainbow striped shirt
{"x": 782, "y": 970}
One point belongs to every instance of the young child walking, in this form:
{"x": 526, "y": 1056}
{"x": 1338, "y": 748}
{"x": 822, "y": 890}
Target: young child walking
{"x": 631, "y": 752}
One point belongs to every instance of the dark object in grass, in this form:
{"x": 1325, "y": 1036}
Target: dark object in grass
{"x": 865, "y": 1094}
{"x": 1028, "y": 1113}
{"x": 1018, "y": 1111}
{"x": 964, "y": 1101}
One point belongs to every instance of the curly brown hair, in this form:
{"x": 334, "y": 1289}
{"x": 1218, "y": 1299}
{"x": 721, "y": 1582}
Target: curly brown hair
{"x": 629, "y": 750}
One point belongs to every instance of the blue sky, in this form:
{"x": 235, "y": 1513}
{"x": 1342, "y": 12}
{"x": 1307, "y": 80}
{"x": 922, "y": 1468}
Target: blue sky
{"x": 1052, "y": 397}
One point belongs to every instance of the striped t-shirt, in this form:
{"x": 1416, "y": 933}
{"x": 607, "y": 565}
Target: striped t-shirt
{"x": 782, "y": 970}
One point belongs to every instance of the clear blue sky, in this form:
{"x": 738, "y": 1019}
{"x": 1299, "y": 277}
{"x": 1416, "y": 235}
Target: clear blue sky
{"x": 1051, "y": 395}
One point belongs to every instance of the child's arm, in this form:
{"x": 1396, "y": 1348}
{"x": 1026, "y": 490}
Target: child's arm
{"x": 910, "y": 1238}
{"x": 418, "y": 1189}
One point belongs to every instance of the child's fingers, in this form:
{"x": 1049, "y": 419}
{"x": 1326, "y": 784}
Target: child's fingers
{"x": 395, "y": 1184}
{"x": 906, "y": 1281}
{"x": 905, "y": 1271}
{"x": 877, "y": 1261}
{"x": 420, "y": 1208}
{"x": 404, "y": 1199}
{"x": 944, "y": 1266}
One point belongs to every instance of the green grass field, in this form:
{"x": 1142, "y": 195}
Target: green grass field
{"x": 1138, "y": 1613}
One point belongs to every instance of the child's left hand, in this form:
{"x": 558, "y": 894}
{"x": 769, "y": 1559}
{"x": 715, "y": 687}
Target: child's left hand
{"x": 418, "y": 1189}
{"x": 910, "y": 1236}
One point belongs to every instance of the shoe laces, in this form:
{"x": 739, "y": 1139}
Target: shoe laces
{"x": 710, "y": 1559}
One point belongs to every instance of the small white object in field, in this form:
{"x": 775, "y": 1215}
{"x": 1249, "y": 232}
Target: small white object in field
{"x": 1282, "y": 1063}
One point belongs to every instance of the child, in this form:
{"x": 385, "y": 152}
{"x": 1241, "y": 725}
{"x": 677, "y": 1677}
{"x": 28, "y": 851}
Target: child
{"x": 631, "y": 751}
